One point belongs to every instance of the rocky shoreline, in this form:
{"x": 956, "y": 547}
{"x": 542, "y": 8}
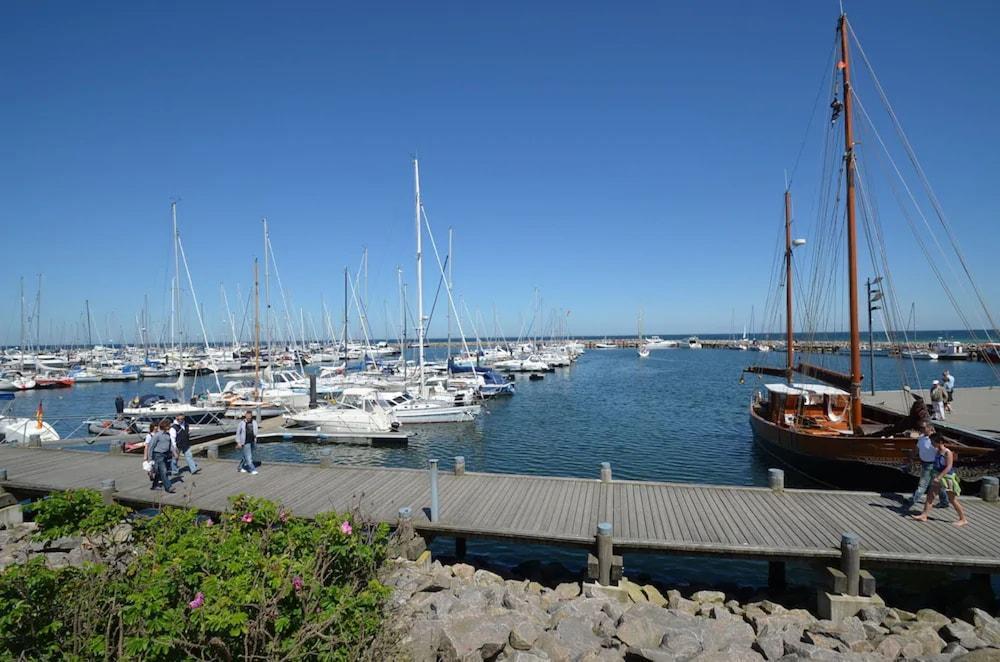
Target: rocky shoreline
{"x": 460, "y": 613}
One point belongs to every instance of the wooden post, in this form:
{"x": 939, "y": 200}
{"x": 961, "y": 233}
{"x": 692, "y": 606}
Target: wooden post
{"x": 3, "y": 474}
{"x": 116, "y": 447}
{"x": 605, "y": 551}
{"x": 404, "y": 524}
{"x": 108, "y": 491}
{"x": 212, "y": 452}
{"x": 776, "y": 575}
{"x": 326, "y": 461}
{"x": 35, "y": 441}
{"x": 776, "y": 480}
{"x": 434, "y": 490}
{"x": 460, "y": 548}
{"x": 990, "y": 490}
{"x": 313, "y": 399}
{"x": 850, "y": 561}
{"x": 459, "y": 465}
{"x": 605, "y": 472}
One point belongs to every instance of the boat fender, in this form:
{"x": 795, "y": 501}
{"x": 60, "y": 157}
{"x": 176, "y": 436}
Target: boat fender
{"x": 836, "y": 418}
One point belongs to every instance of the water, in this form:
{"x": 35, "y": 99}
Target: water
{"x": 679, "y": 415}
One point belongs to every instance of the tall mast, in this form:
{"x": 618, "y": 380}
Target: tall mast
{"x": 256, "y": 329}
{"x": 402, "y": 318}
{"x": 789, "y": 351}
{"x": 852, "y": 230}
{"x": 38, "y": 315}
{"x": 267, "y": 291}
{"x": 90, "y": 337}
{"x": 450, "y": 284}
{"x": 420, "y": 278}
{"x": 21, "y": 341}
{"x": 175, "y": 321}
{"x": 345, "y": 318}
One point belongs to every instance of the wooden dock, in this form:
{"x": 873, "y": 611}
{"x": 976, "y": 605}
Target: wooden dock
{"x": 975, "y": 409}
{"x": 747, "y": 522}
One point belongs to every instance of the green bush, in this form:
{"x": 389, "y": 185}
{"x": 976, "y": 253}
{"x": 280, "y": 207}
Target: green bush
{"x": 259, "y": 584}
{"x": 75, "y": 512}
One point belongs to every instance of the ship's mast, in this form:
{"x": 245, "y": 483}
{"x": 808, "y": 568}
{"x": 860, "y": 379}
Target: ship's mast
{"x": 256, "y": 331}
{"x": 420, "y": 281}
{"x": 789, "y": 349}
{"x": 852, "y": 231}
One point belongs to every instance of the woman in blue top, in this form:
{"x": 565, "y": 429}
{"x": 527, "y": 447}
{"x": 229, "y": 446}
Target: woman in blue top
{"x": 944, "y": 466}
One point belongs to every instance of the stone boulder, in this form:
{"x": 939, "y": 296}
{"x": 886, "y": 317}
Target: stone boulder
{"x": 463, "y": 637}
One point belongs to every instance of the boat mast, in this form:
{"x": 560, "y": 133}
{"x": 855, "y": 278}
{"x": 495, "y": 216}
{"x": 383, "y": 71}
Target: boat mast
{"x": 420, "y": 279}
{"x": 852, "y": 231}
{"x": 38, "y": 317}
{"x": 21, "y": 341}
{"x": 450, "y": 284}
{"x": 175, "y": 302}
{"x": 789, "y": 349}
{"x": 267, "y": 293}
{"x": 345, "y": 320}
{"x": 256, "y": 330}
{"x": 90, "y": 337}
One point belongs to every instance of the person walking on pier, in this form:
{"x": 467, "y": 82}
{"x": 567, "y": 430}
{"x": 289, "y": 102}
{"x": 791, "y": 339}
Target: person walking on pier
{"x": 948, "y": 380}
{"x": 160, "y": 449}
{"x": 246, "y": 440}
{"x": 946, "y": 480}
{"x": 927, "y": 454}
{"x": 938, "y": 397}
{"x": 181, "y": 438}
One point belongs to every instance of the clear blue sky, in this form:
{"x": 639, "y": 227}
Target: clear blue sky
{"x": 614, "y": 156}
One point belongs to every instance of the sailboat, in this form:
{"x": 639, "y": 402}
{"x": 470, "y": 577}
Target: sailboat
{"x": 826, "y": 427}
{"x": 642, "y": 350}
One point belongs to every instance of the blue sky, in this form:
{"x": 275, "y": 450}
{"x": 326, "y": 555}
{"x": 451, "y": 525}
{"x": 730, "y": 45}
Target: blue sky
{"x": 613, "y": 156}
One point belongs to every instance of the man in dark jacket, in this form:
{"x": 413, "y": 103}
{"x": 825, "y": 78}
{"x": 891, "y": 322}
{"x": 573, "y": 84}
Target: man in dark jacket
{"x": 179, "y": 435}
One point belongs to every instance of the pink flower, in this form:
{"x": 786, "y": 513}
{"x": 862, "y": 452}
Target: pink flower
{"x": 209, "y": 522}
{"x": 297, "y": 583}
{"x": 345, "y": 528}
{"x": 199, "y": 600}
{"x": 283, "y": 516}
{"x": 248, "y": 517}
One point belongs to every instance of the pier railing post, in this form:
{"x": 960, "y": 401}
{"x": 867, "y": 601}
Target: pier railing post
{"x": 850, "y": 561}
{"x": 116, "y": 447}
{"x": 35, "y": 441}
{"x": 605, "y": 472}
{"x": 313, "y": 399}
{"x": 459, "y": 465}
{"x": 3, "y": 474}
{"x": 404, "y": 525}
{"x": 108, "y": 491}
{"x": 434, "y": 490}
{"x": 776, "y": 480}
{"x": 212, "y": 452}
{"x": 990, "y": 490}
{"x": 605, "y": 551}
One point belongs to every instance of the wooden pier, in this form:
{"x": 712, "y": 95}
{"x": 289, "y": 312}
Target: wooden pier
{"x": 747, "y": 522}
{"x": 975, "y": 409}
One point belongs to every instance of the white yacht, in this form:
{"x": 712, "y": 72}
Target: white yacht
{"x": 949, "y": 350}
{"x": 358, "y": 411}
{"x": 656, "y": 342}
{"x": 409, "y": 409}
{"x": 155, "y": 407}
{"x": 693, "y": 343}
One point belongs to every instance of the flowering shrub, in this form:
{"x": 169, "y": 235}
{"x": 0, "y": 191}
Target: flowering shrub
{"x": 256, "y": 584}
{"x": 77, "y": 511}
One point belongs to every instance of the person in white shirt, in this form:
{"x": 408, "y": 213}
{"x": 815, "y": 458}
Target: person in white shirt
{"x": 948, "y": 380}
{"x": 927, "y": 453}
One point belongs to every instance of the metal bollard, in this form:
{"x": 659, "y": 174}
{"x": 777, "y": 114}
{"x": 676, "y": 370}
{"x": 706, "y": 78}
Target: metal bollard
{"x": 459, "y": 465}
{"x": 212, "y": 452}
{"x": 405, "y": 514}
{"x": 35, "y": 441}
{"x": 850, "y": 561}
{"x": 434, "y": 490}
{"x": 116, "y": 447}
{"x": 605, "y": 551}
{"x": 990, "y": 490}
{"x": 605, "y": 472}
{"x": 3, "y": 474}
{"x": 108, "y": 491}
{"x": 326, "y": 461}
{"x": 313, "y": 399}
{"x": 776, "y": 479}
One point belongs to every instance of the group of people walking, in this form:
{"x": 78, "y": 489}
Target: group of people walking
{"x": 937, "y": 475}
{"x": 168, "y": 440}
{"x": 942, "y": 395}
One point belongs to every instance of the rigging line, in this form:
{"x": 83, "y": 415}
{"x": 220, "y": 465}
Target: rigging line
{"x": 935, "y": 203}
{"x": 819, "y": 93}
{"x": 930, "y": 231}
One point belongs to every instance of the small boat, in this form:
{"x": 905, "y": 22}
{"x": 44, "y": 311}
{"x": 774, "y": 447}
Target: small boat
{"x": 919, "y": 355}
{"x": 15, "y": 381}
{"x": 358, "y": 411}
{"x": 990, "y": 352}
{"x": 656, "y": 342}
{"x": 82, "y": 375}
{"x": 643, "y": 352}
{"x": 535, "y": 376}
{"x": 693, "y": 343}
{"x": 605, "y": 344}
{"x": 53, "y": 380}
{"x": 949, "y": 350}
{"x": 155, "y": 407}
{"x": 17, "y": 429}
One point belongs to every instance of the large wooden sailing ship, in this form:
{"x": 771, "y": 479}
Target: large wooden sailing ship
{"x": 826, "y": 427}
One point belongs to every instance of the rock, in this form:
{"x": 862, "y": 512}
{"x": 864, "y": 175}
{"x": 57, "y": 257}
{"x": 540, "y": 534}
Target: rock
{"x": 823, "y": 641}
{"x": 653, "y": 595}
{"x": 935, "y": 618}
{"x": 709, "y": 596}
{"x": 523, "y": 634}
{"x": 523, "y": 656}
{"x": 421, "y": 641}
{"x": 963, "y": 634}
{"x": 461, "y": 637}
{"x": 903, "y": 615}
{"x": 578, "y": 631}
{"x": 804, "y": 651}
{"x": 433, "y": 605}
{"x": 728, "y": 656}
{"x": 849, "y": 632}
{"x": 487, "y": 578}
{"x": 635, "y": 592}
{"x": 602, "y": 655}
{"x": 678, "y": 602}
{"x": 922, "y": 635}
{"x": 463, "y": 571}
{"x": 567, "y": 591}
{"x": 718, "y": 612}
{"x": 874, "y": 630}
{"x": 874, "y": 614}
{"x": 954, "y": 649}
{"x": 424, "y": 558}
{"x": 534, "y": 588}
{"x": 613, "y": 611}
{"x": 979, "y": 618}
{"x": 981, "y": 655}
{"x": 772, "y": 607}
{"x": 469, "y": 598}
{"x": 589, "y": 610}
{"x": 890, "y": 647}
{"x": 798, "y": 617}
{"x": 560, "y": 649}
{"x": 605, "y": 628}
{"x": 734, "y": 608}
{"x": 650, "y": 655}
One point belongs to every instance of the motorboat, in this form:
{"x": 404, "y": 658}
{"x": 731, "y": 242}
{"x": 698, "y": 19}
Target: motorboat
{"x": 409, "y": 408}
{"x": 118, "y": 373}
{"x": 656, "y": 342}
{"x": 52, "y": 379}
{"x": 605, "y": 344}
{"x": 643, "y": 352}
{"x": 693, "y": 343}
{"x": 489, "y": 381}
{"x": 919, "y": 355}
{"x": 357, "y": 411}
{"x": 15, "y": 381}
{"x": 949, "y": 350}
{"x": 18, "y": 429}
{"x": 82, "y": 375}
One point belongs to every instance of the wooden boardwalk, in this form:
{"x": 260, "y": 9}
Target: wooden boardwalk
{"x": 669, "y": 517}
{"x": 976, "y": 409}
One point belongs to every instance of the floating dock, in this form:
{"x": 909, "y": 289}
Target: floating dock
{"x": 774, "y": 524}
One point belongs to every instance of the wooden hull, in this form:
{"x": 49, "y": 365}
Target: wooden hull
{"x": 871, "y": 462}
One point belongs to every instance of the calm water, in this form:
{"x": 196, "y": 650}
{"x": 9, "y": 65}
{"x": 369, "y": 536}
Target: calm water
{"x": 679, "y": 415}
